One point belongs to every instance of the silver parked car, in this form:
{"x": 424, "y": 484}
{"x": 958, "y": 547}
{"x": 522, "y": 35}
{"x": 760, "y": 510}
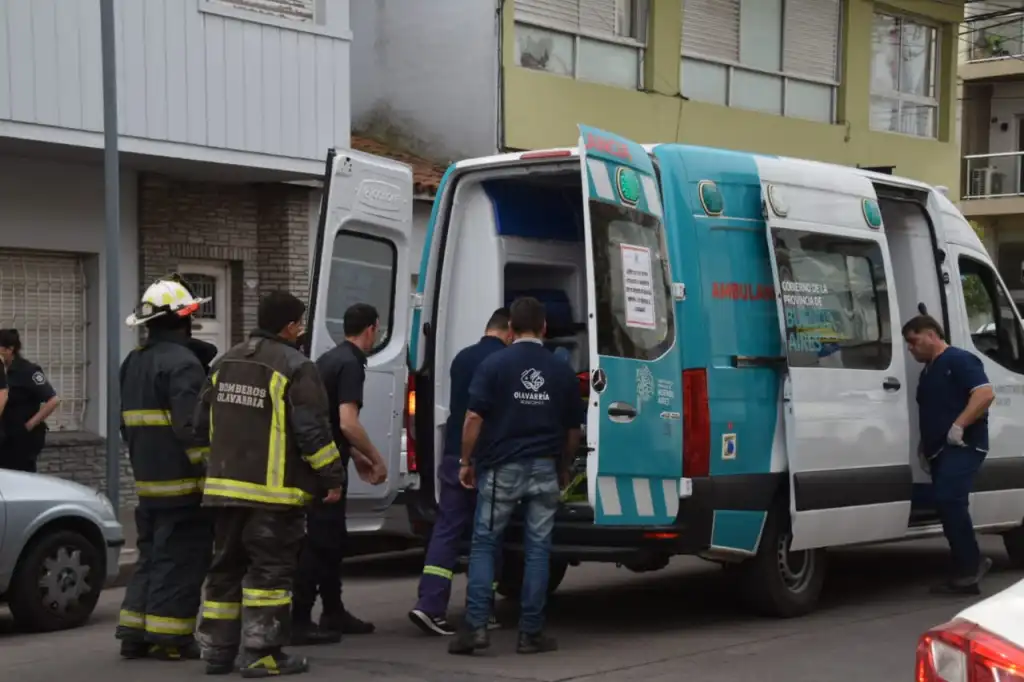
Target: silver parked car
{"x": 59, "y": 544}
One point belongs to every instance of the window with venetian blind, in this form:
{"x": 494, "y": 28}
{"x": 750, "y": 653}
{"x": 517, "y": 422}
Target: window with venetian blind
{"x": 601, "y": 41}
{"x": 776, "y": 56}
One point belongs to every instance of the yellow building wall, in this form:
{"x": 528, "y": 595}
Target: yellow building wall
{"x": 542, "y": 110}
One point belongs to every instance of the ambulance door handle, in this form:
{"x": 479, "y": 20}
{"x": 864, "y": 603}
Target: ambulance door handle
{"x": 621, "y": 412}
{"x": 891, "y": 384}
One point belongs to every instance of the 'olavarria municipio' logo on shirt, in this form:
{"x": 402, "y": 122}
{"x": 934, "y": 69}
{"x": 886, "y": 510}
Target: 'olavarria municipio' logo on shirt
{"x": 532, "y": 381}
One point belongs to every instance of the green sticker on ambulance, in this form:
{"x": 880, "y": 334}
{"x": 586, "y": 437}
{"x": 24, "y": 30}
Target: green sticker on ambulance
{"x": 628, "y": 185}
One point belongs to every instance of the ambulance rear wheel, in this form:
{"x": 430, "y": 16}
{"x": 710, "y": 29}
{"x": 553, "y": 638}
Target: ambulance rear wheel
{"x": 1013, "y": 541}
{"x": 779, "y": 582}
{"x": 510, "y": 584}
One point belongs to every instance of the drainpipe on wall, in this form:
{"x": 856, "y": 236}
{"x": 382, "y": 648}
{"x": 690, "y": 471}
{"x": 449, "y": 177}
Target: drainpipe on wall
{"x": 499, "y": 18}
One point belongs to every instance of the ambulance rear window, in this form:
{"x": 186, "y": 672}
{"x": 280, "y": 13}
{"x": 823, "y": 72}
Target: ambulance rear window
{"x": 634, "y": 291}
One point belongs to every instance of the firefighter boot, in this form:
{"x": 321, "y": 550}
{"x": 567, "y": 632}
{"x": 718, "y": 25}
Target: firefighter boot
{"x": 271, "y": 664}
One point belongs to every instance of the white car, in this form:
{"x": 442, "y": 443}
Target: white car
{"x": 984, "y": 643}
{"x": 60, "y": 543}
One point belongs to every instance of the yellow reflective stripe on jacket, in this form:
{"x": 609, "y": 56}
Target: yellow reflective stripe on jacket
{"x": 322, "y": 457}
{"x": 197, "y": 455}
{"x": 213, "y": 380}
{"x": 146, "y": 418}
{"x": 265, "y": 598}
{"x": 253, "y": 492}
{"x": 438, "y": 571}
{"x": 222, "y": 610}
{"x": 278, "y": 432}
{"x": 132, "y": 619}
{"x": 183, "y": 486}
{"x": 162, "y": 625}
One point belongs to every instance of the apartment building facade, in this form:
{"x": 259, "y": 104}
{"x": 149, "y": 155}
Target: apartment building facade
{"x": 856, "y": 82}
{"x": 226, "y": 110}
{"x": 992, "y": 101}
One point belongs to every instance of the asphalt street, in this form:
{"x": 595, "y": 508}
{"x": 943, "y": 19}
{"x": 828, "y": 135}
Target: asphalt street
{"x": 681, "y": 623}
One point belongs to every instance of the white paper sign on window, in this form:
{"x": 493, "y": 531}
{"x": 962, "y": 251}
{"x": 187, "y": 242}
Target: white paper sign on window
{"x": 638, "y": 286}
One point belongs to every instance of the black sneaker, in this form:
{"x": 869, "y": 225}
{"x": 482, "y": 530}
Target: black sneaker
{"x": 310, "y": 634}
{"x": 535, "y": 643}
{"x": 166, "y": 652}
{"x": 134, "y": 650}
{"x": 272, "y": 664}
{"x": 431, "y": 625}
{"x": 468, "y": 641}
{"x": 969, "y": 586}
{"x": 346, "y": 624}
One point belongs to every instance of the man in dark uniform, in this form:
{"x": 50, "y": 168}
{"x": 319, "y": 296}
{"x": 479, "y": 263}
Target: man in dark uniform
{"x": 30, "y": 400}
{"x": 521, "y": 432}
{"x": 953, "y": 398}
{"x": 343, "y": 371}
{"x": 455, "y": 504}
{"x": 264, "y": 412}
{"x": 160, "y": 384}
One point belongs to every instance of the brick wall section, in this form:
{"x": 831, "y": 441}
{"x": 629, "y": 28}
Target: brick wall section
{"x": 82, "y": 458}
{"x": 261, "y": 230}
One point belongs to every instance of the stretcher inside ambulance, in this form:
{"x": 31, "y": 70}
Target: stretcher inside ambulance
{"x": 735, "y": 320}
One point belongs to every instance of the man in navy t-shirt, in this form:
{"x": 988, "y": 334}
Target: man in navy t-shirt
{"x": 455, "y": 504}
{"x": 953, "y": 398}
{"x": 522, "y": 427}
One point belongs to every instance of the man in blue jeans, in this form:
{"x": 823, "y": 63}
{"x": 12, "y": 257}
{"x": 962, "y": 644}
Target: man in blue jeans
{"x": 953, "y": 398}
{"x": 522, "y": 427}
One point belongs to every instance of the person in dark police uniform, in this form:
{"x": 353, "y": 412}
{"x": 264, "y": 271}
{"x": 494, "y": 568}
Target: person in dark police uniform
{"x": 343, "y": 371}
{"x": 30, "y": 400}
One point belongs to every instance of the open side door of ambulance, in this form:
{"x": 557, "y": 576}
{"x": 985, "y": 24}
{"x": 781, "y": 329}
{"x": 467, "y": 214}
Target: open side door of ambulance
{"x": 634, "y": 421}
{"x": 362, "y": 255}
{"x": 844, "y": 397}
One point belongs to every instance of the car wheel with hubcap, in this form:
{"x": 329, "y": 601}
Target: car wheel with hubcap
{"x": 778, "y": 581}
{"x": 57, "y": 582}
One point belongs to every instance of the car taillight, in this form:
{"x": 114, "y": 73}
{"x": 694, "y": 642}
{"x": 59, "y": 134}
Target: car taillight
{"x": 696, "y": 424}
{"x": 961, "y": 651}
{"x": 410, "y": 425}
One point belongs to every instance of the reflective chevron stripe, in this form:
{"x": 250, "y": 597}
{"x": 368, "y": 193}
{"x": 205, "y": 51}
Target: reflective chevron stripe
{"x": 641, "y": 501}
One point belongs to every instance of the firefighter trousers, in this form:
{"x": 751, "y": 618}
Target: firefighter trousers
{"x": 162, "y": 598}
{"x": 248, "y": 589}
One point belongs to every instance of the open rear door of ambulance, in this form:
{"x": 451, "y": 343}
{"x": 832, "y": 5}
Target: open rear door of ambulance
{"x": 634, "y": 419}
{"x": 362, "y": 255}
{"x": 844, "y": 396}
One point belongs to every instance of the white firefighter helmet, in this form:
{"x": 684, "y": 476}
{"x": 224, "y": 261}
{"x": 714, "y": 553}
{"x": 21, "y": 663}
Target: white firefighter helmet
{"x": 165, "y": 296}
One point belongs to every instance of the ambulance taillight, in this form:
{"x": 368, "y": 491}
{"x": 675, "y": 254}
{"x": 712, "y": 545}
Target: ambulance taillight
{"x": 696, "y": 424}
{"x": 410, "y": 425}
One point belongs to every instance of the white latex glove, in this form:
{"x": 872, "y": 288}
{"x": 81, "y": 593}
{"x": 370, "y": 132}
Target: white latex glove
{"x": 955, "y": 435}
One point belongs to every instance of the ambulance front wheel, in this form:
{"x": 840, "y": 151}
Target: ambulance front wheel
{"x": 779, "y": 582}
{"x": 510, "y": 583}
{"x": 1013, "y": 541}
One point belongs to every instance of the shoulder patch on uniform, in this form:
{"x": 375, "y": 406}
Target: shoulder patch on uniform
{"x": 39, "y": 378}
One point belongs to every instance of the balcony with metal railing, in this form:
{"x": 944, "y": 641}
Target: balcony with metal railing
{"x": 994, "y": 47}
{"x": 993, "y": 184}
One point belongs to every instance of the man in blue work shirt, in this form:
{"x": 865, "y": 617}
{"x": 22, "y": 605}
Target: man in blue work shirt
{"x": 953, "y": 398}
{"x": 522, "y": 427}
{"x": 455, "y": 503}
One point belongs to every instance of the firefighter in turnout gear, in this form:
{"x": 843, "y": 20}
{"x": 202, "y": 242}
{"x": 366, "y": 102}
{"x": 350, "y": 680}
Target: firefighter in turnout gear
{"x": 264, "y": 410}
{"x": 160, "y": 385}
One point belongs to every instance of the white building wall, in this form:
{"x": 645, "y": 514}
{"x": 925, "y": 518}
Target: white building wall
{"x": 47, "y": 205}
{"x": 425, "y": 74}
{"x": 199, "y": 73}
